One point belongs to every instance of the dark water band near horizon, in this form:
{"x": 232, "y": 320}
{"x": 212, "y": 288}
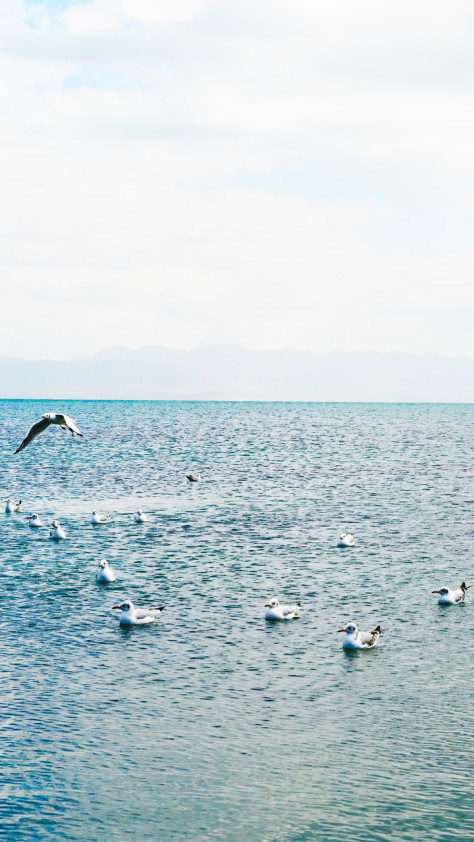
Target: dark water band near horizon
{"x": 212, "y": 724}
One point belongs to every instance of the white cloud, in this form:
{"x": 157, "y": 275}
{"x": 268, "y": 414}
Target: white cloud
{"x": 267, "y": 173}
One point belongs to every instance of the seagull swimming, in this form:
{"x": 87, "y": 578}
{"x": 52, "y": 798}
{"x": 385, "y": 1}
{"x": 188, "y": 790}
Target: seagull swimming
{"x": 355, "y": 639}
{"x": 194, "y": 477}
{"x": 97, "y": 518}
{"x": 140, "y": 517}
{"x": 12, "y": 507}
{"x": 449, "y": 597}
{"x": 346, "y": 540}
{"x": 131, "y": 616}
{"x": 104, "y": 574}
{"x": 35, "y": 520}
{"x": 275, "y": 611}
{"x": 57, "y": 532}
{"x": 64, "y": 422}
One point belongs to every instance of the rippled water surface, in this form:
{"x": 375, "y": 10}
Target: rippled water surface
{"x": 211, "y": 723}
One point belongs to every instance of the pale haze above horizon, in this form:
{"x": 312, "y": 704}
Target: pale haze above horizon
{"x": 269, "y": 173}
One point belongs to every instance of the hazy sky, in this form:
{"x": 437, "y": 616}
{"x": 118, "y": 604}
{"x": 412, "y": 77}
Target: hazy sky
{"x": 267, "y": 172}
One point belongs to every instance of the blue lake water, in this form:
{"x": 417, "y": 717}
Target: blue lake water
{"x": 212, "y": 724}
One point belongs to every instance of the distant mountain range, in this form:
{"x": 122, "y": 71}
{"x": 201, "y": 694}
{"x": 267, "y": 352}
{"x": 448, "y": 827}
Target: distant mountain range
{"x": 229, "y": 372}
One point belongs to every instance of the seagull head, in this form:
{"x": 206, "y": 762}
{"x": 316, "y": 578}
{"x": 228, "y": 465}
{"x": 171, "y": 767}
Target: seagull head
{"x": 272, "y": 604}
{"x": 351, "y": 628}
{"x": 442, "y": 591}
{"x": 55, "y": 523}
{"x": 49, "y": 415}
{"x": 103, "y": 563}
{"x": 127, "y": 605}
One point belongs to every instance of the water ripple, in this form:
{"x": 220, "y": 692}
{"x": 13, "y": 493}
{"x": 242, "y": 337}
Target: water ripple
{"x": 212, "y": 724}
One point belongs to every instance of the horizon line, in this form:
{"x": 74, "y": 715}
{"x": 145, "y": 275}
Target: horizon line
{"x": 244, "y": 400}
{"x": 235, "y": 345}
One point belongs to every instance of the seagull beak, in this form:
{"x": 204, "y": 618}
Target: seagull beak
{"x": 434, "y": 591}
{"x": 116, "y": 606}
{"x": 267, "y": 605}
{"x": 341, "y": 630}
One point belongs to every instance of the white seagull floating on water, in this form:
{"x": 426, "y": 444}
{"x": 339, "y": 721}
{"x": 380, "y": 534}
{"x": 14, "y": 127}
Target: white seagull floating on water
{"x": 449, "y": 597}
{"x": 35, "y": 520}
{"x": 49, "y": 418}
{"x": 275, "y": 611}
{"x": 12, "y": 507}
{"x": 105, "y": 574}
{"x": 346, "y": 540}
{"x": 140, "y": 517}
{"x": 355, "y": 639}
{"x": 97, "y": 518}
{"x": 57, "y": 532}
{"x": 131, "y": 616}
{"x": 194, "y": 477}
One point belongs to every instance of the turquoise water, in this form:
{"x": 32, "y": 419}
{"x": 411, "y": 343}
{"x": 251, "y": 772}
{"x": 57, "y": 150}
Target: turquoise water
{"x": 211, "y": 723}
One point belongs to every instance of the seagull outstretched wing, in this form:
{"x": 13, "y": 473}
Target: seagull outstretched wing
{"x": 71, "y": 425}
{"x": 35, "y": 431}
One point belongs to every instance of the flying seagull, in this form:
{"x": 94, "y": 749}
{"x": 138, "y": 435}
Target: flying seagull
{"x": 64, "y": 422}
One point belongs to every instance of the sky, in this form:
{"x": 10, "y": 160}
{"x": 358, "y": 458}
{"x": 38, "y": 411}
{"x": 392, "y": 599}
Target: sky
{"x": 270, "y": 173}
